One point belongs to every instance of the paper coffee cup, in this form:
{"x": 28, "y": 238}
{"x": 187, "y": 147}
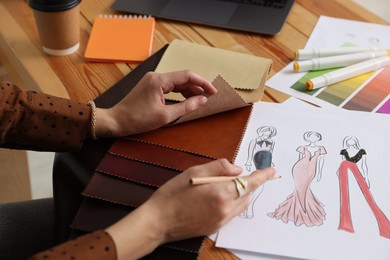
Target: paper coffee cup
{"x": 58, "y": 23}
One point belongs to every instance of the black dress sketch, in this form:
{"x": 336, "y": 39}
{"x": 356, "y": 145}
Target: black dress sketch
{"x": 260, "y": 152}
{"x": 302, "y": 207}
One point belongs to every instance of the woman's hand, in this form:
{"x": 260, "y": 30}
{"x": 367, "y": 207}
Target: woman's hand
{"x": 144, "y": 108}
{"x": 194, "y": 210}
{"x": 179, "y": 210}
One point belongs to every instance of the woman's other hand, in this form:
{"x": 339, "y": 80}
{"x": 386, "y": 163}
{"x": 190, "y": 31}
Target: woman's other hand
{"x": 144, "y": 108}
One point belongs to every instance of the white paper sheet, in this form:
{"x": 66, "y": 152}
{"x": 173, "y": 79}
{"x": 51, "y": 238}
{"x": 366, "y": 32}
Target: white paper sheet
{"x": 330, "y": 33}
{"x": 263, "y": 234}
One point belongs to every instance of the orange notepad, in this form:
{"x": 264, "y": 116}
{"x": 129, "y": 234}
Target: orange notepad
{"x": 120, "y": 38}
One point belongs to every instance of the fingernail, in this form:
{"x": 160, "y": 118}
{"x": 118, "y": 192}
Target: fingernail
{"x": 274, "y": 175}
{"x": 202, "y": 100}
{"x": 237, "y": 168}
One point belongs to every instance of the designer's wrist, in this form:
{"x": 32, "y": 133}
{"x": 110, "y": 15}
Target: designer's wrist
{"x": 137, "y": 234}
{"x": 105, "y": 125}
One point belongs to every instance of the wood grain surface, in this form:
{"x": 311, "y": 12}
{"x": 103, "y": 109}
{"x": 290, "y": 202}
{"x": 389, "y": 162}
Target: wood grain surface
{"x": 71, "y": 76}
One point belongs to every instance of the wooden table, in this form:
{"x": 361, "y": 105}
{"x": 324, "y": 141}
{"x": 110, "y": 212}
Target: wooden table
{"x": 72, "y": 77}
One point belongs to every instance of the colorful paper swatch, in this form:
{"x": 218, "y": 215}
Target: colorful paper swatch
{"x": 363, "y": 93}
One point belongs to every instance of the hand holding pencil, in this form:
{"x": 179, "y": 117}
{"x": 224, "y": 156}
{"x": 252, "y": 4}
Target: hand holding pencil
{"x": 186, "y": 210}
{"x": 264, "y": 162}
{"x": 216, "y": 179}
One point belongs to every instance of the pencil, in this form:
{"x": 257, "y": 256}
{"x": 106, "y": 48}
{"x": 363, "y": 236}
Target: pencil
{"x": 347, "y": 72}
{"x": 214, "y": 179}
{"x": 306, "y": 54}
{"x": 336, "y": 61}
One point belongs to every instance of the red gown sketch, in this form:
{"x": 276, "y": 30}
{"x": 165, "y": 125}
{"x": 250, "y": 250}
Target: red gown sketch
{"x": 350, "y": 164}
{"x": 302, "y": 207}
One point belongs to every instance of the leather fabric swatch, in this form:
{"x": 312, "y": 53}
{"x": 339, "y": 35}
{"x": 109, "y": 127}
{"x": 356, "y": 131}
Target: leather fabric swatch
{"x": 111, "y": 189}
{"x": 139, "y": 172}
{"x": 157, "y": 154}
{"x": 216, "y": 136}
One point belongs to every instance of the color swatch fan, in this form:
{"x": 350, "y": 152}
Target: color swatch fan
{"x": 120, "y": 38}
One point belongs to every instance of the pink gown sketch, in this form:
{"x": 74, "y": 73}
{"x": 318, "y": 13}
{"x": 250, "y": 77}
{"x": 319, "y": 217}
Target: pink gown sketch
{"x": 302, "y": 207}
{"x": 350, "y": 163}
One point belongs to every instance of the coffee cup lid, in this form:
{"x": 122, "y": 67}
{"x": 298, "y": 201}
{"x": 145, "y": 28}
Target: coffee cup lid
{"x": 53, "y": 5}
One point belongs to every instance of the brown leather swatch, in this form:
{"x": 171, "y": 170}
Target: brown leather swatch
{"x": 115, "y": 190}
{"x": 95, "y": 215}
{"x": 157, "y": 154}
{"x": 135, "y": 171}
{"x": 216, "y": 136}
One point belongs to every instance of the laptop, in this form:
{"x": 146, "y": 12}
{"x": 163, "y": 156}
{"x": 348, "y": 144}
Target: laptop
{"x": 257, "y": 16}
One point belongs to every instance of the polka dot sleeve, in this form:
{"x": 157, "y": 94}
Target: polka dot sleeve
{"x": 36, "y": 121}
{"x": 96, "y": 246}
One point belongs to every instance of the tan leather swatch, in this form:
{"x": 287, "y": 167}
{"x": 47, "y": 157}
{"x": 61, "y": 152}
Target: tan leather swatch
{"x": 224, "y": 100}
{"x": 242, "y": 71}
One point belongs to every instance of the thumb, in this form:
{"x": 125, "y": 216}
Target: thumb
{"x": 259, "y": 177}
{"x": 219, "y": 167}
{"x": 187, "y": 106}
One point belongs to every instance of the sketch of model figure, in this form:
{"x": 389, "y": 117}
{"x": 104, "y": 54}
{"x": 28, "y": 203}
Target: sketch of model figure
{"x": 260, "y": 152}
{"x": 357, "y": 165}
{"x": 302, "y": 207}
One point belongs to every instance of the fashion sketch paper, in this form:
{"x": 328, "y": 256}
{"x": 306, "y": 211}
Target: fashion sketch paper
{"x": 332, "y": 201}
{"x": 248, "y": 255}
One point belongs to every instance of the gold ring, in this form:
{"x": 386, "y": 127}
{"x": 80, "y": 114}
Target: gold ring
{"x": 241, "y": 186}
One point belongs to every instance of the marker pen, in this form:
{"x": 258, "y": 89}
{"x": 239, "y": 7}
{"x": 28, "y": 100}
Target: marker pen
{"x": 336, "y": 61}
{"x": 306, "y": 54}
{"x": 347, "y": 72}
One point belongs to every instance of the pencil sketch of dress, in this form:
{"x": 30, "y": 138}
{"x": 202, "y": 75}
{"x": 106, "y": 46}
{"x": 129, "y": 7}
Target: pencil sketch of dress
{"x": 302, "y": 207}
{"x": 259, "y": 152}
{"x": 350, "y": 164}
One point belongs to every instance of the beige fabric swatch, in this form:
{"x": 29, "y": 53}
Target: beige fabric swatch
{"x": 225, "y": 99}
{"x": 246, "y": 73}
